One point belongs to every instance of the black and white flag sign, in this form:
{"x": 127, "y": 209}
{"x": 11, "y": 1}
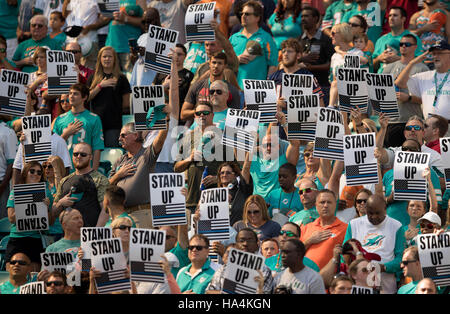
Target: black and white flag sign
{"x": 241, "y": 127}
{"x": 445, "y": 158}
{"x": 108, "y": 7}
{"x": 197, "y": 21}
{"x": 214, "y": 220}
{"x": 409, "y": 184}
{"x": 159, "y": 42}
{"x": 261, "y": 95}
{"x": 352, "y": 89}
{"x": 302, "y": 113}
{"x": 31, "y": 211}
{"x": 38, "y": 133}
{"x": 434, "y": 255}
{"x": 144, "y": 98}
{"x": 61, "y": 71}
{"x": 382, "y": 93}
{"x": 12, "y": 92}
{"x": 330, "y": 132}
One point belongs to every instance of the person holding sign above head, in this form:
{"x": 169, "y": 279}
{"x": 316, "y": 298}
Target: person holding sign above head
{"x": 84, "y": 72}
{"x": 121, "y": 229}
{"x": 317, "y": 170}
{"x": 38, "y": 80}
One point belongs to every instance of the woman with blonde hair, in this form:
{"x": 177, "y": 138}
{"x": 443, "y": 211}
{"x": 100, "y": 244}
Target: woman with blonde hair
{"x": 54, "y": 171}
{"x": 256, "y": 217}
{"x": 121, "y": 229}
{"x": 109, "y": 94}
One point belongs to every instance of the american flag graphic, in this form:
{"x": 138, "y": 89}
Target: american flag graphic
{"x": 238, "y": 138}
{"x": 304, "y": 131}
{"x": 12, "y": 106}
{"x": 405, "y": 190}
{"x": 328, "y": 148}
{"x": 61, "y": 85}
{"x": 232, "y": 287}
{"x": 146, "y": 271}
{"x": 218, "y": 229}
{"x": 200, "y": 32}
{"x": 447, "y": 178}
{"x": 439, "y": 274}
{"x": 267, "y": 111}
{"x": 169, "y": 215}
{"x": 29, "y": 193}
{"x": 346, "y": 103}
{"x": 157, "y": 63}
{"x": 213, "y": 256}
{"x": 108, "y": 8}
{"x": 140, "y": 120}
{"x": 390, "y": 108}
{"x": 110, "y": 281}
{"x": 362, "y": 174}
{"x": 38, "y": 151}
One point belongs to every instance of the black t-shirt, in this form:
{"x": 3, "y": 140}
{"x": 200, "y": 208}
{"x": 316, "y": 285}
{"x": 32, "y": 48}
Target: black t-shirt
{"x": 240, "y": 191}
{"x": 107, "y": 104}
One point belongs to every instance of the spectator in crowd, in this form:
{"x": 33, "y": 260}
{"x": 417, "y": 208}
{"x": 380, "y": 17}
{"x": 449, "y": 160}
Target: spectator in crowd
{"x": 5, "y": 63}
{"x": 84, "y": 188}
{"x": 254, "y": 66}
{"x": 298, "y": 277}
{"x": 285, "y": 22}
{"x": 109, "y": 94}
{"x": 56, "y": 283}
{"x": 9, "y": 13}
{"x": 308, "y": 192}
{"x": 410, "y": 6}
{"x": 435, "y": 127}
{"x": 121, "y": 228}
{"x": 23, "y": 27}
{"x": 317, "y": 170}
{"x": 416, "y": 209}
{"x": 359, "y": 27}
{"x": 8, "y": 142}
{"x": 38, "y": 81}
{"x": 39, "y": 38}
{"x": 410, "y": 265}
{"x": 426, "y": 286}
{"x": 359, "y": 272}
{"x": 113, "y": 204}
{"x": 429, "y": 223}
{"x": 361, "y": 198}
{"x": 235, "y": 18}
{"x": 341, "y": 285}
{"x": 269, "y": 248}
{"x": 19, "y": 274}
{"x": 84, "y": 73}
{"x": 334, "y": 13}
{"x": 56, "y": 22}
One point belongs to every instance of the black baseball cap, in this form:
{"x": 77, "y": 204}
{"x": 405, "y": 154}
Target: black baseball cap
{"x": 441, "y": 45}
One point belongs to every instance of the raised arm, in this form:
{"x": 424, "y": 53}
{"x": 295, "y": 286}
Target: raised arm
{"x": 403, "y": 77}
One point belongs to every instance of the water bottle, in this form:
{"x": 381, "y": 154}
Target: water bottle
{"x": 205, "y": 173}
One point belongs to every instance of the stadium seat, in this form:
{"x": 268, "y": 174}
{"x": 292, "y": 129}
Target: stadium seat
{"x": 5, "y": 227}
{"x": 3, "y": 244}
{"x": 107, "y": 158}
{"x": 4, "y": 276}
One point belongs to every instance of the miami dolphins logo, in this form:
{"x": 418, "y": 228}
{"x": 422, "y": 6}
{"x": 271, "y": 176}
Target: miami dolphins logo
{"x": 373, "y": 241}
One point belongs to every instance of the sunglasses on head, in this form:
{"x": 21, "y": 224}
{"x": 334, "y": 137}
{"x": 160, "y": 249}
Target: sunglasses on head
{"x": 406, "y": 44}
{"x": 287, "y": 233}
{"x": 76, "y": 154}
{"x": 205, "y": 113}
{"x": 426, "y": 226}
{"x": 55, "y": 283}
{"x": 34, "y": 171}
{"x": 197, "y": 247}
{"x": 307, "y": 190}
{"x": 123, "y": 227}
{"x": 20, "y": 262}
{"x": 361, "y": 201}
{"x": 216, "y": 91}
{"x": 411, "y": 127}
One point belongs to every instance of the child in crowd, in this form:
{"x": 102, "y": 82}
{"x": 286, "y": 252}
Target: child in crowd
{"x": 360, "y": 42}
{"x": 56, "y": 22}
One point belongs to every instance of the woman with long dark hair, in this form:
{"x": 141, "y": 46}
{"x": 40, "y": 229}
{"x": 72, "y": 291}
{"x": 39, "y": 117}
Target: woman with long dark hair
{"x": 285, "y": 21}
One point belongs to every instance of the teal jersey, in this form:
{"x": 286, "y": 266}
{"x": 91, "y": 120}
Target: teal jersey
{"x": 286, "y": 203}
{"x": 61, "y": 38}
{"x": 305, "y": 216}
{"x": 65, "y": 246}
{"x": 374, "y": 17}
{"x": 91, "y": 132}
{"x": 265, "y": 174}
{"x": 199, "y": 282}
{"x": 335, "y": 12}
{"x": 394, "y": 42}
{"x": 398, "y": 209}
{"x": 8, "y": 288}
{"x": 8, "y": 19}
{"x": 258, "y": 68}
{"x": 182, "y": 256}
{"x": 119, "y": 33}
{"x": 285, "y": 29}
{"x": 409, "y": 288}
{"x": 274, "y": 263}
{"x": 123, "y": 215}
{"x": 196, "y": 56}
{"x": 26, "y": 49}
{"x": 218, "y": 120}
{"x": 32, "y": 234}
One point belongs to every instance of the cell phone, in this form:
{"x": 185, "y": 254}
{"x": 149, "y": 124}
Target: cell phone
{"x": 132, "y": 43}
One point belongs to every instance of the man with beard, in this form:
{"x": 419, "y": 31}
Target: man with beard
{"x": 378, "y": 233}
{"x": 83, "y": 189}
{"x": 56, "y": 283}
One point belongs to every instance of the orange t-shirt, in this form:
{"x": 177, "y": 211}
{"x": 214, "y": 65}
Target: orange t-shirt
{"x": 321, "y": 253}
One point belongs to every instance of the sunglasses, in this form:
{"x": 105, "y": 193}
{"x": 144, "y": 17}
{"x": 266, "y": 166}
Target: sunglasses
{"x": 216, "y": 91}
{"x": 55, "y": 283}
{"x": 205, "y": 113}
{"x": 407, "y": 262}
{"x": 253, "y": 212}
{"x": 287, "y": 233}
{"x": 361, "y": 201}
{"x": 409, "y": 149}
{"x": 307, "y": 190}
{"x": 427, "y": 226}
{"x": 20, "y": 262}
{"x": 406, "y": 45}
{"x": 123, "y": 135}
{"x": 47, "y": 166}
{"x": 333, "y": 33}
{"x": 37, "y": 25}
{"x": 307, "y": 155}
{"x": 74, "y": 51}
{"x": 3, "y": 50}
{"x": 123, "y": 227}
{"x": 197, "y": 247}
{"x": 34, "y": 171}
{"x": 267, "y": 145}
{"x": 411, "y": 127}
{"x": 80, "y": 154}
{"x": 355, "y": 25}
{"x": 64, "y": 100}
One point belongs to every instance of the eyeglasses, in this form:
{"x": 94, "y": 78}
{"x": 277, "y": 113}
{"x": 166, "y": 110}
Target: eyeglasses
{"x": 76, "y": 154}
{"x": 426, "y": 226}
{"x": 123, "y": 135}
{"x": 37, "y": 25}
{"x": 74, "y": 51}
{"x": 197, "y": 247}
{"x": 205, "y": 113}
{"x": 361, "y": 201}
{"x": 47, "y": 166}
{"x": 307, "y": 190}
{"x": 407, "y": 262}
{"x": 409, "y": 149}
{"x": 406, "y": 44}
{"x": 216, "y": 91}
{"x": 411, "y": 127}
{"x": 355, "y": 25}
{"x": 123, "y": 227}
{"x": 3, "y": 50}
{"x": 247, "y": 13}
{"x": 20, "y": 262}
{"x": 287, "y": 233}
{"x": 307, "y": 155}
{"x": 253, "y": 212}
{"x": 34, "y": 171}
{"x": 55, "y": 283}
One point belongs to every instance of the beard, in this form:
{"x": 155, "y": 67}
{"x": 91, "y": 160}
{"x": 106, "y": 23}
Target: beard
{"x": 82, "y": 165}
{"x": 289, "y": 64}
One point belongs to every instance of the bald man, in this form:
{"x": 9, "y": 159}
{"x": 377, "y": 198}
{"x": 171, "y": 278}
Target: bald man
{"x": 380, "y": 234}
{"x": 426, "y": 286}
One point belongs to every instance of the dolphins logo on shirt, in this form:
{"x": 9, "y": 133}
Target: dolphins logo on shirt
{"x": 373, "y": 241}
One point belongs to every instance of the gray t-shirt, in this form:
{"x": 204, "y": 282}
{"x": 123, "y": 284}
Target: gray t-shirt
{"x": 306, "y": 281}
{"x": 172, "y": 16}
{"x": 406, "y": 109}
{"x": 136, "y": 187}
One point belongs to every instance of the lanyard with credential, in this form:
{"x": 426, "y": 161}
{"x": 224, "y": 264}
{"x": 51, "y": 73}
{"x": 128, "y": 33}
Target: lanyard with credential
{"x": 439, "y": 88}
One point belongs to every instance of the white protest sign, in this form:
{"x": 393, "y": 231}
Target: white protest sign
{"x": 214, "y": 220}
{"x": 296, "y": 84}
{"x": 38, "y": 132}
{"x": 146, "y": 248}
{"x": 302, "y": 113}
{"x": 361, "y": 166}
{"x": 434, "y": 255}
{"x": 352, "y": 61}
{"x": 159, "y": 42}
{"x": 168, "y": 204}
{"x": 92, "y": 234}
{"x": 241, "y": 127}
{"x": 352, "y": 89}
{"x": 37, "y": 287}
{"x": 361, "y": 290}
{"x": 12, "y": 92}
{"x": 445, "y": 159}
{"x": 144, "y": 98}
{"x": 31, "y": 211}
{"x": 330, "y": 132}
{"x": 60, "y": 71}
{"x": 409, "y": 184}
{"x": 382, "y": 94}
{"x": 58, "y": 261}
{"x": 108, "y": 7}
{"x": 261, "y": 95}
{"x": 240, "y": 273}
{"x": 197, "y": 21}
{"x": 107, "y": 257}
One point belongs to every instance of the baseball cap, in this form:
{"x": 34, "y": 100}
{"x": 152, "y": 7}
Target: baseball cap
{"x": 441, "y": 44}
{"x": 73, "y": 31}
{"x": 431, "y": 217}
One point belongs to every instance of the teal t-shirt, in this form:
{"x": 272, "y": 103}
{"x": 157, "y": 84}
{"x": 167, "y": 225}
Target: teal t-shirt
{"x": 285, "y": 29}
{"x": 182, "y": 256}
{"x": 265, "y": 174}
{"x": 196, "y": 56}
{"x": 198, "y": 283}
{"x": 123, "y": 215}
{"x": 65, "y": 246}
{"x": 8, "y": 19}
{"x": 274, "y": 263}
{"x": 374, "y": 17}
{"x": 409, "y": 288}
{"x": 335, "y": 12}
{"x": 287, "y": 203}
{"x": 8, "y": 288}
{"x": 120, "y": 33}
{"x": 61, "y": 37}
{"x": 305, "y": 216}
{"x": 258, "y": 68}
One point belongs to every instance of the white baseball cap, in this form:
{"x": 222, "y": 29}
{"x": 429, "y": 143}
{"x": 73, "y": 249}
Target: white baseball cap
{"x": 431, "y": 217}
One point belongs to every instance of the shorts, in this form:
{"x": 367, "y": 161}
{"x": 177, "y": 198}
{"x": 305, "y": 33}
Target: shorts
{"x": 32, "y": 247}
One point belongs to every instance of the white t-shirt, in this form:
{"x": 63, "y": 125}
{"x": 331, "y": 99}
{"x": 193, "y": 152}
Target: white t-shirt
{"x": 8, "y": 147}
{"x": 83, "y": 13}
{"x": 306, "y": 281}
{"x": 423, "y": 85}
{"x": 59, "y": 148}
{"x": 48, "y": 6}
